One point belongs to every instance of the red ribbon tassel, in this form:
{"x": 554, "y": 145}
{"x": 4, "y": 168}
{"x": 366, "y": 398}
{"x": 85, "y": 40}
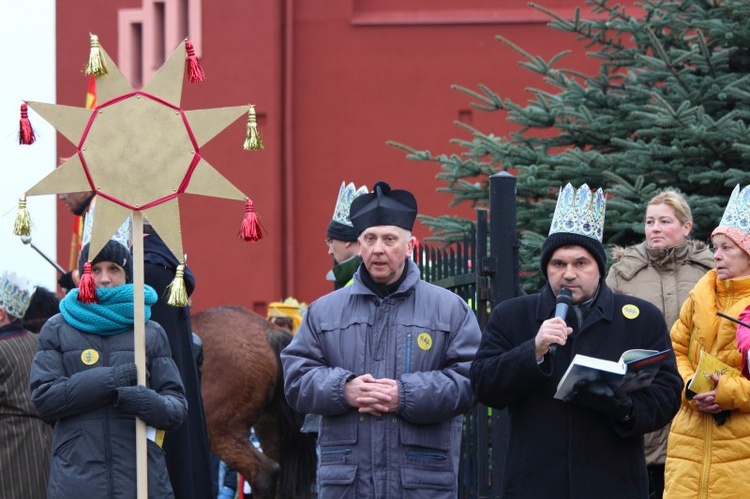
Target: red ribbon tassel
{"x": 87, "y": 287}
{"x": 251, "y": 228}
{"x": 194, "y": 69}
{"x": 26, "y": 134}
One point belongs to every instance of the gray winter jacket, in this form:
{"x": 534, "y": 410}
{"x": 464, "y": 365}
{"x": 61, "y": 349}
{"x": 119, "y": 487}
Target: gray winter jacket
{"x": 424, "y": 337}
{"x": 84, "y": 384}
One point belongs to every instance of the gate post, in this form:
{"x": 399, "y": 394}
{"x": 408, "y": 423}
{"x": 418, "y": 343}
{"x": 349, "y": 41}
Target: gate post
{"x": 504, "y": 251}
{"x": 503, "y": 236}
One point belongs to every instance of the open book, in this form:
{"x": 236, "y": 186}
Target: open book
{"x": 635, "y": 369}
{"x": 708, "y": 365}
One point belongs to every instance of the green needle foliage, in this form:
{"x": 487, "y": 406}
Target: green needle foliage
{"x": 668, "y": 108}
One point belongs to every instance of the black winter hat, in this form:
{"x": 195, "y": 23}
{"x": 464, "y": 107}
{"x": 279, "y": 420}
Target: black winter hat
{"x": 341, "y": 232}
{"x": 383, "y": 206}
{"x": 111, "y": 252}
{"x": 561, "y": 239}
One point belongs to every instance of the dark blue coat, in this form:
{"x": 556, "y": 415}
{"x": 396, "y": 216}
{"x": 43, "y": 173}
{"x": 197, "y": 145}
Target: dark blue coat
{"x": 558, "y": 449}
{"x": 74, "y": 383}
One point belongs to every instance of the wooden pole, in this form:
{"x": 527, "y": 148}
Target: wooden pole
{"x": 139, "y": 348}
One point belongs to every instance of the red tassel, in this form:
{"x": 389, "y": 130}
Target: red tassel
{"x": 87, "y": 287}
{"x": 251, "y": 227}
{"x": 194, "y": 69}
{"x": 26, "y": 134}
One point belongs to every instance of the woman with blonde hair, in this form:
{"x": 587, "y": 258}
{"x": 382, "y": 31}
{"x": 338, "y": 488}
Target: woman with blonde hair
{"x": 662, "y": 269}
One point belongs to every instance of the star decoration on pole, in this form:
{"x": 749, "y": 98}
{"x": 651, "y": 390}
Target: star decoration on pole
{"x": 139, "y": 151}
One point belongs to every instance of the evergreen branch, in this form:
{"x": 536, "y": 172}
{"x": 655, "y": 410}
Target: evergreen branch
{"x": 412, "y": 153}
{"x": 659, "y": 49}
{"x": 703, "y": 47}
{"x": 491, "y": 100}
{"x": 616, "y": 12}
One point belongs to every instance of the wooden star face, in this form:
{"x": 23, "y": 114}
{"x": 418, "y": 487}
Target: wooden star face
{"x": 138, "y": 150}
{"x": 168, "y": 145}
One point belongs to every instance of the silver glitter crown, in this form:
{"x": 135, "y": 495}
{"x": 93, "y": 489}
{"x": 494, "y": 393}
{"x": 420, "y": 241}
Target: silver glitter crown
{"x": 579, "y": 212}
{"x": 15, "y": 294}
{"x": 347, "y": 194}
{"x": 737, "y": 212}
{"x": 124, "y": 234}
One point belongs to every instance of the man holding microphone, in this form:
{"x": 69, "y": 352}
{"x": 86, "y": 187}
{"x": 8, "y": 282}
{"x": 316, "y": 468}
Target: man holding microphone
{"x": 591, "y": 444}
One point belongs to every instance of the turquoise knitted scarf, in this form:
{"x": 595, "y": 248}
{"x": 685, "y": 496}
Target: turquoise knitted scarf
{"x": 113, "y": 314}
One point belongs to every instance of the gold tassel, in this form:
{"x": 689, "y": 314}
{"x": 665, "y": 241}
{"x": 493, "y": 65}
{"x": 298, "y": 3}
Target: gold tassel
{"x": 177, "y": 292}
{"x": 96, "y": 65}
{"x": 22, "y": 225}
{"x": 253, "y": 140}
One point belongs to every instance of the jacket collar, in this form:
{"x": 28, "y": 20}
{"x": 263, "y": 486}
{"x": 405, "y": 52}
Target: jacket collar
{"x": 409, "y": 283}
{"x": 12, "y": 330}
{"x": 633, "y": 259}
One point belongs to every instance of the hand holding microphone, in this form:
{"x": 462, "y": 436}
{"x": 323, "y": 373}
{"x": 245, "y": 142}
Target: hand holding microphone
{"x": 564, "y": 299}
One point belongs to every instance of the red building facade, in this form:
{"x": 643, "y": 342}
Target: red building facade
{"x": 332, "y": 81}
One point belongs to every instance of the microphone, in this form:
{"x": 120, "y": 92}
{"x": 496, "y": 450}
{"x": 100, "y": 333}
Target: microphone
{"x": 564, "y": 299}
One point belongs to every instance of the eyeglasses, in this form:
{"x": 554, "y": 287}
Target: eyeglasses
{"x": 329, "y": 241}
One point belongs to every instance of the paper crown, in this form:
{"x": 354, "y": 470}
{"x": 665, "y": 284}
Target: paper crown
{"x": 735, "y": 223}
{"x": 289, "y": 308}
{"x": 123, "y": 235}
{"x": 347, "y": 194}
{"x": 15, "y": 294}
{"x": 383, "y": 206}
{"x": 340, "y": 227}
{"x": 579, "y": 212}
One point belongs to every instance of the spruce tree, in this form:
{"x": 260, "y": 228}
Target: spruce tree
{"x": 668, "y": 108}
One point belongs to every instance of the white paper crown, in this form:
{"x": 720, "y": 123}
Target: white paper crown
{"x": 124, "y": 234}
{"x": 347, "y": 194}
{"x": 15, "y": 294}
{"x": 579, "y": 212}
{"x": 737, "y": 212}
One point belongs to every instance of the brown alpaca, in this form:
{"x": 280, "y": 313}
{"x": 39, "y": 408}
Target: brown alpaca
{"x": 242, "y": 387}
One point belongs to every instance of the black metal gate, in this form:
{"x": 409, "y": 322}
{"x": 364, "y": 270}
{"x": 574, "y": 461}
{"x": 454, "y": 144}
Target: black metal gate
{"x": 483, "y": 270}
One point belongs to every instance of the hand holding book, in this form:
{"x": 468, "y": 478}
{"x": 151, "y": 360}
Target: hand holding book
{"x": 606, "y": 399}
{"x": 708, "y": 370}
{"x": 635, "y": 370}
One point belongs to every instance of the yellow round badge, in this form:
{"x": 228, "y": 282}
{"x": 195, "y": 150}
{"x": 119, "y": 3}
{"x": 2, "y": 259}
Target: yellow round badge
{"x": 630, "y": 311}
{"x": 89, "y": 356}
{"x": 424, "y": 341}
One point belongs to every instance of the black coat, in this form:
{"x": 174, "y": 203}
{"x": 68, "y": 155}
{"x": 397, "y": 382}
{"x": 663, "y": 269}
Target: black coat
{"x": 186, "y": 449}
{"x": 558, "y": 449}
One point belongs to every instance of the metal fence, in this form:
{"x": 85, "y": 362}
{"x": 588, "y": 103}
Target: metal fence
{"x": 483, "y": 270}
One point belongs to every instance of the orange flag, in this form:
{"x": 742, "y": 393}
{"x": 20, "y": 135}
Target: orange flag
{"x": 91, "y": 93}
{"x": 75, "y": 241}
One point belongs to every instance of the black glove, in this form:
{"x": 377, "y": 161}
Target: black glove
{"x": 125, "y": 374}
{"x": 603, "y": 398}
{"x": 144, "y": 403}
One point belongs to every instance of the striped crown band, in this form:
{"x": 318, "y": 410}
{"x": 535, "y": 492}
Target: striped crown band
{"x": 579, "y": 212}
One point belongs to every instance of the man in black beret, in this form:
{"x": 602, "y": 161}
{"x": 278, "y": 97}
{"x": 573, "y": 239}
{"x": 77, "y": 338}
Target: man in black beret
{"x": 385, "y": 361}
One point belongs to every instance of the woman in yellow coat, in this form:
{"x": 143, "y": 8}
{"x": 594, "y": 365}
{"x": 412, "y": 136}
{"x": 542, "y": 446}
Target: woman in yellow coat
{"x": 708, "y": 450}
